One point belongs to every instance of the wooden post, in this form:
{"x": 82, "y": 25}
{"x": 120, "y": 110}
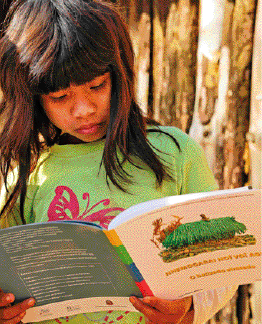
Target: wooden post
{"x": 224, "y": 80}
{"x": 238, "y": 106}
{"x": 241, "y": 37}
{"x": 138, "y": 18}
{"x": 179, "y": 70}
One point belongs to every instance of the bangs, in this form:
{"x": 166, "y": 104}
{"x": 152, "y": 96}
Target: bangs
{"x": 77, "y": 69}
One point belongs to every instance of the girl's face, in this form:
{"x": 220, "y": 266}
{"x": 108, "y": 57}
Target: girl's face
{"x": 81, "y": 111}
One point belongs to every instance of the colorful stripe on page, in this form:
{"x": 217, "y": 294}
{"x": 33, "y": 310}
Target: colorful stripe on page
{"x": 139, "y": 280}
{"x": 128, "y": 262}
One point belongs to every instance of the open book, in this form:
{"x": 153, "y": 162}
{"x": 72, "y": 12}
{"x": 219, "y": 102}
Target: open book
{"x": 170, "y": 247}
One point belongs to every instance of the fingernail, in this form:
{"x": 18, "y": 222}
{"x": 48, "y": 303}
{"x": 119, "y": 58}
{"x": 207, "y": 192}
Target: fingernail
{"x": 31, "y": 302}
{"x": 146, "y": 300}
{"x": 9, "y": 298}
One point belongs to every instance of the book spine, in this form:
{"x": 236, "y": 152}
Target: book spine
{"x": 128, "y": 262}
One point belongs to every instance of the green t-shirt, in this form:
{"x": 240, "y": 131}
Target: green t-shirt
{"x": 70, "y": 183}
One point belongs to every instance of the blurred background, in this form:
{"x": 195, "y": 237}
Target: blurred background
{"x": 199, "y": 67}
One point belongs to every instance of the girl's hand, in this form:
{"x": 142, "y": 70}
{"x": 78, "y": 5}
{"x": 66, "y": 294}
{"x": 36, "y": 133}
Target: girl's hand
{"x": 163, "y": 311}
{"x": 12, "y": 314}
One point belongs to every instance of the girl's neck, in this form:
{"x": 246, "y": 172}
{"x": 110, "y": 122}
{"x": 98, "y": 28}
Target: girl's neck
{"x": 66, "y": 139}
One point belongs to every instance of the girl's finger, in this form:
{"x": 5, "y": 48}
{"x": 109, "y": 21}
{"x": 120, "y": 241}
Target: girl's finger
{"x": 155, "y": 316}
{"x": 152, "y": 315}
{"x": 14, "y": 320}
{"x": 178, "y": 306}
{"x": 7, "y": 313}
{"x": 6, "y": 298}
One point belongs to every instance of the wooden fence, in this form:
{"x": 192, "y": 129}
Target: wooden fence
{"x": 198, "y": 67}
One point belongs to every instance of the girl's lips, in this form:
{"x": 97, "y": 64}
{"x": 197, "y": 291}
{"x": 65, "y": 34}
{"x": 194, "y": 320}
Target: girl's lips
{"x": 87, "y": 130}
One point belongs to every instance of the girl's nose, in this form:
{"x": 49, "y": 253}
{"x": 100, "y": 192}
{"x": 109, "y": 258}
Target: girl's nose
{"x": 83, "y": 107}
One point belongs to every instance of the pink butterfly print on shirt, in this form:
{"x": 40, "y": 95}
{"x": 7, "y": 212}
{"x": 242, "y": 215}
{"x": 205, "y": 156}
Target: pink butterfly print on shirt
{"x": 65, "y": 206}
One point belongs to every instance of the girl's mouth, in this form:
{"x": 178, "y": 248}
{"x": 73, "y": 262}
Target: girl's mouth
{"x": 86, "y": 130}
{"x": 89, "y": 129}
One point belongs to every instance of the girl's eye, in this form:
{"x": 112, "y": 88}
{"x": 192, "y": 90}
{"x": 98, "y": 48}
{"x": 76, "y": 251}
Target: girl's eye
{"x": 100, "y": 86}
{"x": 61, "y": 98}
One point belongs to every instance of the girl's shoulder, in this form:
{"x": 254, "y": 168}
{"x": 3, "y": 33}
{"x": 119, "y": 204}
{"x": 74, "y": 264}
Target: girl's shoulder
{"x": 172, "y": 135}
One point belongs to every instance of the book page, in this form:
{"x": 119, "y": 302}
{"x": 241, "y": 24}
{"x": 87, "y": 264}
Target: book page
{"x": 197, "y": 245}
{"x": 55, "y": 262}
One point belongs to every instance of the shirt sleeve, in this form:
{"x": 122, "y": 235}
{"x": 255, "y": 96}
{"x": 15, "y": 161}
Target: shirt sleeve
{"x": 197, "y": 176}
{"x": 12, "y": 217}
{"x": 208, "y": 303}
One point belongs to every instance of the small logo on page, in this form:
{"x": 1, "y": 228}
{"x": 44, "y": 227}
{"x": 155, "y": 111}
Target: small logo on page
{"x": 44, "y": 311}
{"x": 72, "y": 308}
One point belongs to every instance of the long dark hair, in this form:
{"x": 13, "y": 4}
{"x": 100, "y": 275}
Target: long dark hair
{"x": 46, "y": 45}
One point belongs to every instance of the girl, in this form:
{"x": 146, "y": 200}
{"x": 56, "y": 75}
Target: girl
{"x": 82, "y": 148}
